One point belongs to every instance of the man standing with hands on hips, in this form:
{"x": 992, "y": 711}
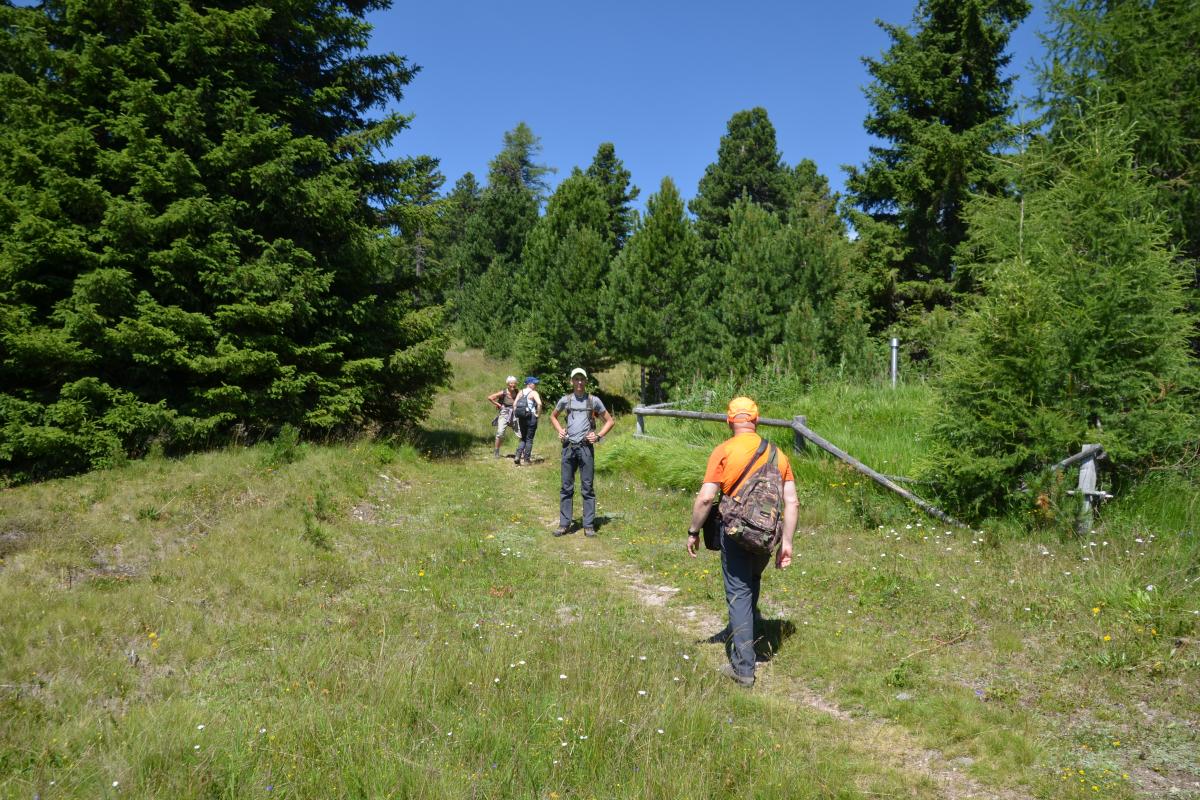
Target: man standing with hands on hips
{"x": 578, "y": 439}
{"x": 733, "y": 466}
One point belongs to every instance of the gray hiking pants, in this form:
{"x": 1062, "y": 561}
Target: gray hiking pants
{"x": 742, "y": 571}
{"x": 579, "y": 458}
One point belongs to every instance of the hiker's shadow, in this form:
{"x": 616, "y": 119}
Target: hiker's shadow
{"x": 602, "y": 520}
{"x": 769, "y": 636}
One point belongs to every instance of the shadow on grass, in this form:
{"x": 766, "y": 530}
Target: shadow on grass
{"x": 442, "y": 442}
{"x": 769, "y": 636}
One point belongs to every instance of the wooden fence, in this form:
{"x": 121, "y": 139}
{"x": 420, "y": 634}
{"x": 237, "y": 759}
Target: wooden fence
{"x": 802, "y": 434}
{"x": 1087, "y": 457}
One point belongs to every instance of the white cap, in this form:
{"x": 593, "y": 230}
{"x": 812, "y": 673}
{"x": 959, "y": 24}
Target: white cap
{"x": 579, "y": 371}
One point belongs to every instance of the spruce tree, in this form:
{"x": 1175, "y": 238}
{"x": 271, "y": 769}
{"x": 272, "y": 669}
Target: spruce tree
{"x": 1081, "y": 332}
{"x": 941, "y": 105}
{"x": 652, "y": 321}
{"x": 194, "y": 235}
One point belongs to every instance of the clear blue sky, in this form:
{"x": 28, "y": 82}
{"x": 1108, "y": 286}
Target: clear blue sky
{"x": 658, "y": 78}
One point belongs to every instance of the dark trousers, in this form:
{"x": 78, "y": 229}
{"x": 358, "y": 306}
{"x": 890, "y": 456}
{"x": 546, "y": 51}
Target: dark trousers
{"x": 577, "y": 458}
{"x": 525, "y": 445}
{"x": 742, "y": 571}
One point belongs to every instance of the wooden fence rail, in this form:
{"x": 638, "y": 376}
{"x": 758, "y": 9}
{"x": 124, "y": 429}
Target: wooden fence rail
{"x": 802, "y": 434}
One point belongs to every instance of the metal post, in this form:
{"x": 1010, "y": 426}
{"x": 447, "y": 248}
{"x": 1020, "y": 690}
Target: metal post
{"x": 799, "y": 443}
{"x": 895, "y": 352}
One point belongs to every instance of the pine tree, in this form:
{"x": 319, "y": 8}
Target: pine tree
{"x": 748, "y": 164}
{"x": 1081, "y": 332}
{"x": 608, "y": 170}
{"x": 647, "y": 297}
{"x": 563, "y": 270}
{"x": 940, "y": 104}
{"x": 193, "y": 235}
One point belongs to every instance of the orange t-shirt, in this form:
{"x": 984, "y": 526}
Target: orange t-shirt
{"x": 731, "y": 456}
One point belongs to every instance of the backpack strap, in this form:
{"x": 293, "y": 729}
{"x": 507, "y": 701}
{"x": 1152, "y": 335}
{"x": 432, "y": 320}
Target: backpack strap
{"x": 761, "y": 447}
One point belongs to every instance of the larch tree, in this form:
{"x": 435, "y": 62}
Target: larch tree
{"x": 1081, "y": 332}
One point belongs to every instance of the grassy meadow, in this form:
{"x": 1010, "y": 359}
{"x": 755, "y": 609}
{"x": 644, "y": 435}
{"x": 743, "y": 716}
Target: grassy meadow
{"x": 385, "y": 619}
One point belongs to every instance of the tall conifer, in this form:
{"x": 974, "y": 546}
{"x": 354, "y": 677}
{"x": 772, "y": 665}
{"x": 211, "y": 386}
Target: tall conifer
{"x": 748, "y": 164}
{"x": 940, "y": 103}
{"x": 609, "y": 171}
{"x": 648, "y": 294}
{"x": 191, "y": 236}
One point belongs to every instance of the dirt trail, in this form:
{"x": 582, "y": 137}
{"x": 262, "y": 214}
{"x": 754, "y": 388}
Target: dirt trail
{"x": 890, "y": 743}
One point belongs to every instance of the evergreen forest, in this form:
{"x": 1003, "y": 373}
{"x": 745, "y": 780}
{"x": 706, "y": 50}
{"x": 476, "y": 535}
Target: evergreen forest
{"x": 202, "y": 243}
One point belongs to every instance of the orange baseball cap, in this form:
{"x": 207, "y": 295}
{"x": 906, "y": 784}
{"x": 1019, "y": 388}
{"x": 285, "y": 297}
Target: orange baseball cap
{"x": 742, "y": 407}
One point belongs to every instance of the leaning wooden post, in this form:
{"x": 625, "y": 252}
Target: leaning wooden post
{"x": 799, "y": 443}
{"x": 641, "y": 426}
{"x": 1087, "y": 491}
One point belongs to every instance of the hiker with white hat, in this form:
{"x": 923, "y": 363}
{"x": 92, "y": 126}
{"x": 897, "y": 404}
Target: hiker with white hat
{"x": 578, "y": 439}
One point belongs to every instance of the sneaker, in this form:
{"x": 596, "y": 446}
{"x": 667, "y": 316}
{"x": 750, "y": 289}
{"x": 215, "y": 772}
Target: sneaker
{"x": 562, "y": 531}
{"x": 589, "y": 531}
{"x": 745, "y": 681}
{"x": 516, "y": 462}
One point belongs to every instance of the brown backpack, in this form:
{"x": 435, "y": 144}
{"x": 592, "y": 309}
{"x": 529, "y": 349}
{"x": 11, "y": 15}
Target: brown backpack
{"x": 754, "y": 517}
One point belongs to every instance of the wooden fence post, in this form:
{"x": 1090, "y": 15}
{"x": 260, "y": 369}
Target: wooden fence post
{"x": 799, "y": 443}
{"x": 641, "y": 426}
{"x": 1087, "y": 491}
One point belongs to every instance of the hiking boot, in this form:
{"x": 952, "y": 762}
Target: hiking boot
{"x": 562, "y": 531}
{"x": 745, "y": 681}
{"x": 589, "y": 531}
{"x": 528, "y": 462}
{"x": 516, "y": 462}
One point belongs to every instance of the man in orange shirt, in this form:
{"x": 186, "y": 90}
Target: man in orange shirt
{"x": 741, "y": 569}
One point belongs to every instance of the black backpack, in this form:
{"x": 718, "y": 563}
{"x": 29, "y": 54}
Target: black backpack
{"x": 524, "y": 405}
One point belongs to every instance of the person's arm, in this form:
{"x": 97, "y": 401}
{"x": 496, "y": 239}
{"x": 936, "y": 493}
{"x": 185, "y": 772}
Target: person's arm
{"x": 791, "y": 509}
{"x": 494, "y": 398}
{"x": 700, "y": 508}
{"x": 608, "y": 423}
{"x": 562, "y": 434}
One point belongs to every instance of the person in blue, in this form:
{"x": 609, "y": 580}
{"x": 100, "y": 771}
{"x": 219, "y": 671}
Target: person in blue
{"x": 528, "y": 406}
{"x": 578, "y": 440}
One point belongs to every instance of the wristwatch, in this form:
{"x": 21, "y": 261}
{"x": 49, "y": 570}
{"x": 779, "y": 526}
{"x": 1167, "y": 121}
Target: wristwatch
{"x": 693, "y": 533}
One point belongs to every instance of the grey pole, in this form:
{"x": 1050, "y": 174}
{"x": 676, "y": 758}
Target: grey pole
{"x": 895, "y": 351}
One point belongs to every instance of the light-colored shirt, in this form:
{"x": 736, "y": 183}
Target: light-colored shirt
{"x": 579, "y": 420}
{"x": 533, "y": 401}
